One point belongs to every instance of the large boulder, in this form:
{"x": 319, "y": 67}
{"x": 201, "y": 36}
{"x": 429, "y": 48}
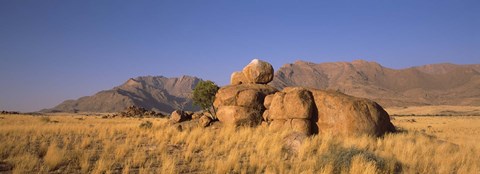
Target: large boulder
{"x": 246, "y": 95}
{"x": 342, "y": 114}
{"x": 242, "y": 104}
{"x": 239, "y": 116}
{"x": 258, "y": 72}
{"x": 318, "y": 111}
{"x": 292, "y": 103}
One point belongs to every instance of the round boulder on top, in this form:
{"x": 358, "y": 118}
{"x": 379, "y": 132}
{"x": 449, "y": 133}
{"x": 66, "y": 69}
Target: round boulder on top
{"x": 258, "y": 72}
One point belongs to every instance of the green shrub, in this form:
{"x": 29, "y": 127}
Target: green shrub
{"x": 204, "y": 95}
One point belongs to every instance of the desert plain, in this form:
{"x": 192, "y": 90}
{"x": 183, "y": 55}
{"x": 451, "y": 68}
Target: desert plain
{"x": 426, "y": 142}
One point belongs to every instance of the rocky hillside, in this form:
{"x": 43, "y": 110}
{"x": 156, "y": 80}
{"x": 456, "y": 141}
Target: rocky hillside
{"x": 155, "y": 93}
{"x": 436, "y": 84}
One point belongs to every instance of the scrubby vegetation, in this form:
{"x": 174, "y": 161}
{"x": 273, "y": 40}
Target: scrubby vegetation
{"x": 204, "y": 95}
{"x": 120, "y": 145}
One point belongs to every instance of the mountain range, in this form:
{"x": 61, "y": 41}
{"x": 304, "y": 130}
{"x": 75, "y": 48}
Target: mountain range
{"x": 434, "y": 84}
{"x": 157, "y": 93}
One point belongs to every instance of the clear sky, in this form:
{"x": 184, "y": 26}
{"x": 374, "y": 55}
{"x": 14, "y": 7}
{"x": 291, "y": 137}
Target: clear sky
{"x": 55, "y": 50}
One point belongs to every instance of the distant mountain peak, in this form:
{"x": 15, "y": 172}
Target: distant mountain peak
{"x": 359, "y": 61}
{"x": 132, "y": 82}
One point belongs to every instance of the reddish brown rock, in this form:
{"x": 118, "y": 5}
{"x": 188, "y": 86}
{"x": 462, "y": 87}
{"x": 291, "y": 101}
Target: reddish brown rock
{"x": 238, "y": 115}
{"x": 178, "y": 116}
{"x": 258, "y": 72}
{"x": 247, "y": 95}
{"x": 318, "y": 111}
{"x": 268, "y": 101}
{"x": 341, "y": 114}
{"x": 237, "y": 78}
{"x": 204, "y": 121}
{"x": 266, "y": 116}
{"x": 292, "y": 103}
{"x": 294, "y": 125}
{"x": 197, "y": 115}
{"x": 277, "y": 124}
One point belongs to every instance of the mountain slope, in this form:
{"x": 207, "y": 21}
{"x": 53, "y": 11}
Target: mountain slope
{"x": 435, "y": 84}
{"x": 156, "y": 93}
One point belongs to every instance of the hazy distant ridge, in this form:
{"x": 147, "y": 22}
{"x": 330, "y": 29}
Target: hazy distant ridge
{"x": 156, "y": 93}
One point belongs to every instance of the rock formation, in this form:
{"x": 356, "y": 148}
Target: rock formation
{"x": 134, "y": 111}
{"x": 241, "y": 103}
{"x": 292, "y": 108}
{"x": 249, "y": 101}
{"x": 319, "y": 111}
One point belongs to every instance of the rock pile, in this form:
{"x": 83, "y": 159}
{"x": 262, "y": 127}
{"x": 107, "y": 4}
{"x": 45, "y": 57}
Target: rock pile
{"x": 249, "y": 101}
{"x": 134, "y": 111}
{"x": 190, "y": 119}
{"x": 241, "y": 102}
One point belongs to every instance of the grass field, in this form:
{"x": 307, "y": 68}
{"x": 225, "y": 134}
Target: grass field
{"x": 440, "y": 110}
{"x": 80, "y": 144}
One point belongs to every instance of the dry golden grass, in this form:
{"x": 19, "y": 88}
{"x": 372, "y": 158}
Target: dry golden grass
{"x": 440, "y": 110}
{"x": 65, "y": 144}
{"x": 462, "y": 130}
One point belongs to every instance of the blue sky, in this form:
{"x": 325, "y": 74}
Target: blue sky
{"x": 55, "y": 50}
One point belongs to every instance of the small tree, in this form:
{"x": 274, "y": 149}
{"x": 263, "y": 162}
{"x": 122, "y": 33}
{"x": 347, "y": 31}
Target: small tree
{"x": 204, "y": 95}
